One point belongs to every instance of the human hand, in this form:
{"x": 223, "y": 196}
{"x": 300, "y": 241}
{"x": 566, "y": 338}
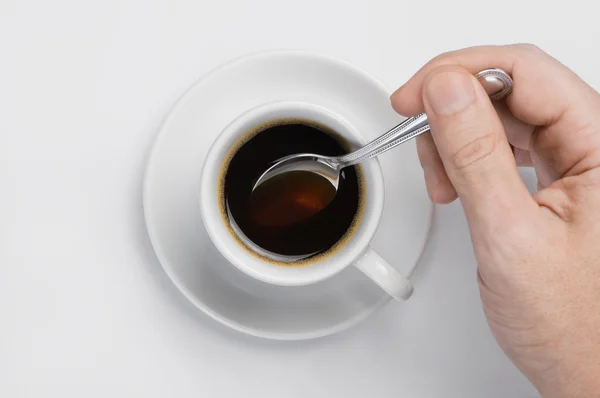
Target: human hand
{"x": 538, "y": 256}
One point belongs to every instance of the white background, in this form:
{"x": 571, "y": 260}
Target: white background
{"x": 86, "y": 309}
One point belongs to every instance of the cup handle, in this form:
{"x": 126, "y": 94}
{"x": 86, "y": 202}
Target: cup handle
{"x": 383, "y": 274}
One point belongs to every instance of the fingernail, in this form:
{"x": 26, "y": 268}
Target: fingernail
{"x": 448, "y": 93}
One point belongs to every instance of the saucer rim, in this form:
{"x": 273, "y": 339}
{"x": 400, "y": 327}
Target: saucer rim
{"x": 164, "y": 262}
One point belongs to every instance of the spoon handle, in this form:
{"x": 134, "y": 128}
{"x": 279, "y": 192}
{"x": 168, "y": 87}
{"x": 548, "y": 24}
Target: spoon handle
{"x": 497, "y": 83}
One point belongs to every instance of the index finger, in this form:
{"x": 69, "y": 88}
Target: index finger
{"x": 544, "y": 89}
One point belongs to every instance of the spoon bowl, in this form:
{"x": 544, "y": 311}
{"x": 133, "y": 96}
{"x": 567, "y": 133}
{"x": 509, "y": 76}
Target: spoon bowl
{"x": 324, "y": 166}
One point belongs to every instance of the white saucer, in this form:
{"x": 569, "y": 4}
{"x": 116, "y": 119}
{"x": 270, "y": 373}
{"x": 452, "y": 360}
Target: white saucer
{"x": 171, "y": 192}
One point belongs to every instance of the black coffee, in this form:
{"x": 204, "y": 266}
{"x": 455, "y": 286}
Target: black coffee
{"x": 296, "y": 213}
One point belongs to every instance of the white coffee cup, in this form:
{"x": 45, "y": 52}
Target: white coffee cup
{"x": 355, "y": 250}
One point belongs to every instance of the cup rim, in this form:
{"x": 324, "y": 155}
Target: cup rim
{"x": 240, "y": 256}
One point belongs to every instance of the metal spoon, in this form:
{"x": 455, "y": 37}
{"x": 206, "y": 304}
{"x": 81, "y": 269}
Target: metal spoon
{"x": 497, "y": 83}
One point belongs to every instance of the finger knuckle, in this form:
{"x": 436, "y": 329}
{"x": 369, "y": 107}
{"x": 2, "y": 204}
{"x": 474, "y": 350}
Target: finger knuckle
{"x": 555, "y": 199}
{"x": 443, "y": 59}
{"x": 474, "y": 151}
{"x": 526, "y": 47}
{"x": 582, "y": 190}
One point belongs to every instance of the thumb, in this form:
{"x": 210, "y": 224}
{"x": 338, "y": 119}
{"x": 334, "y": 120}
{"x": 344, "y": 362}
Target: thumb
{"x": 473, "y": 147}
